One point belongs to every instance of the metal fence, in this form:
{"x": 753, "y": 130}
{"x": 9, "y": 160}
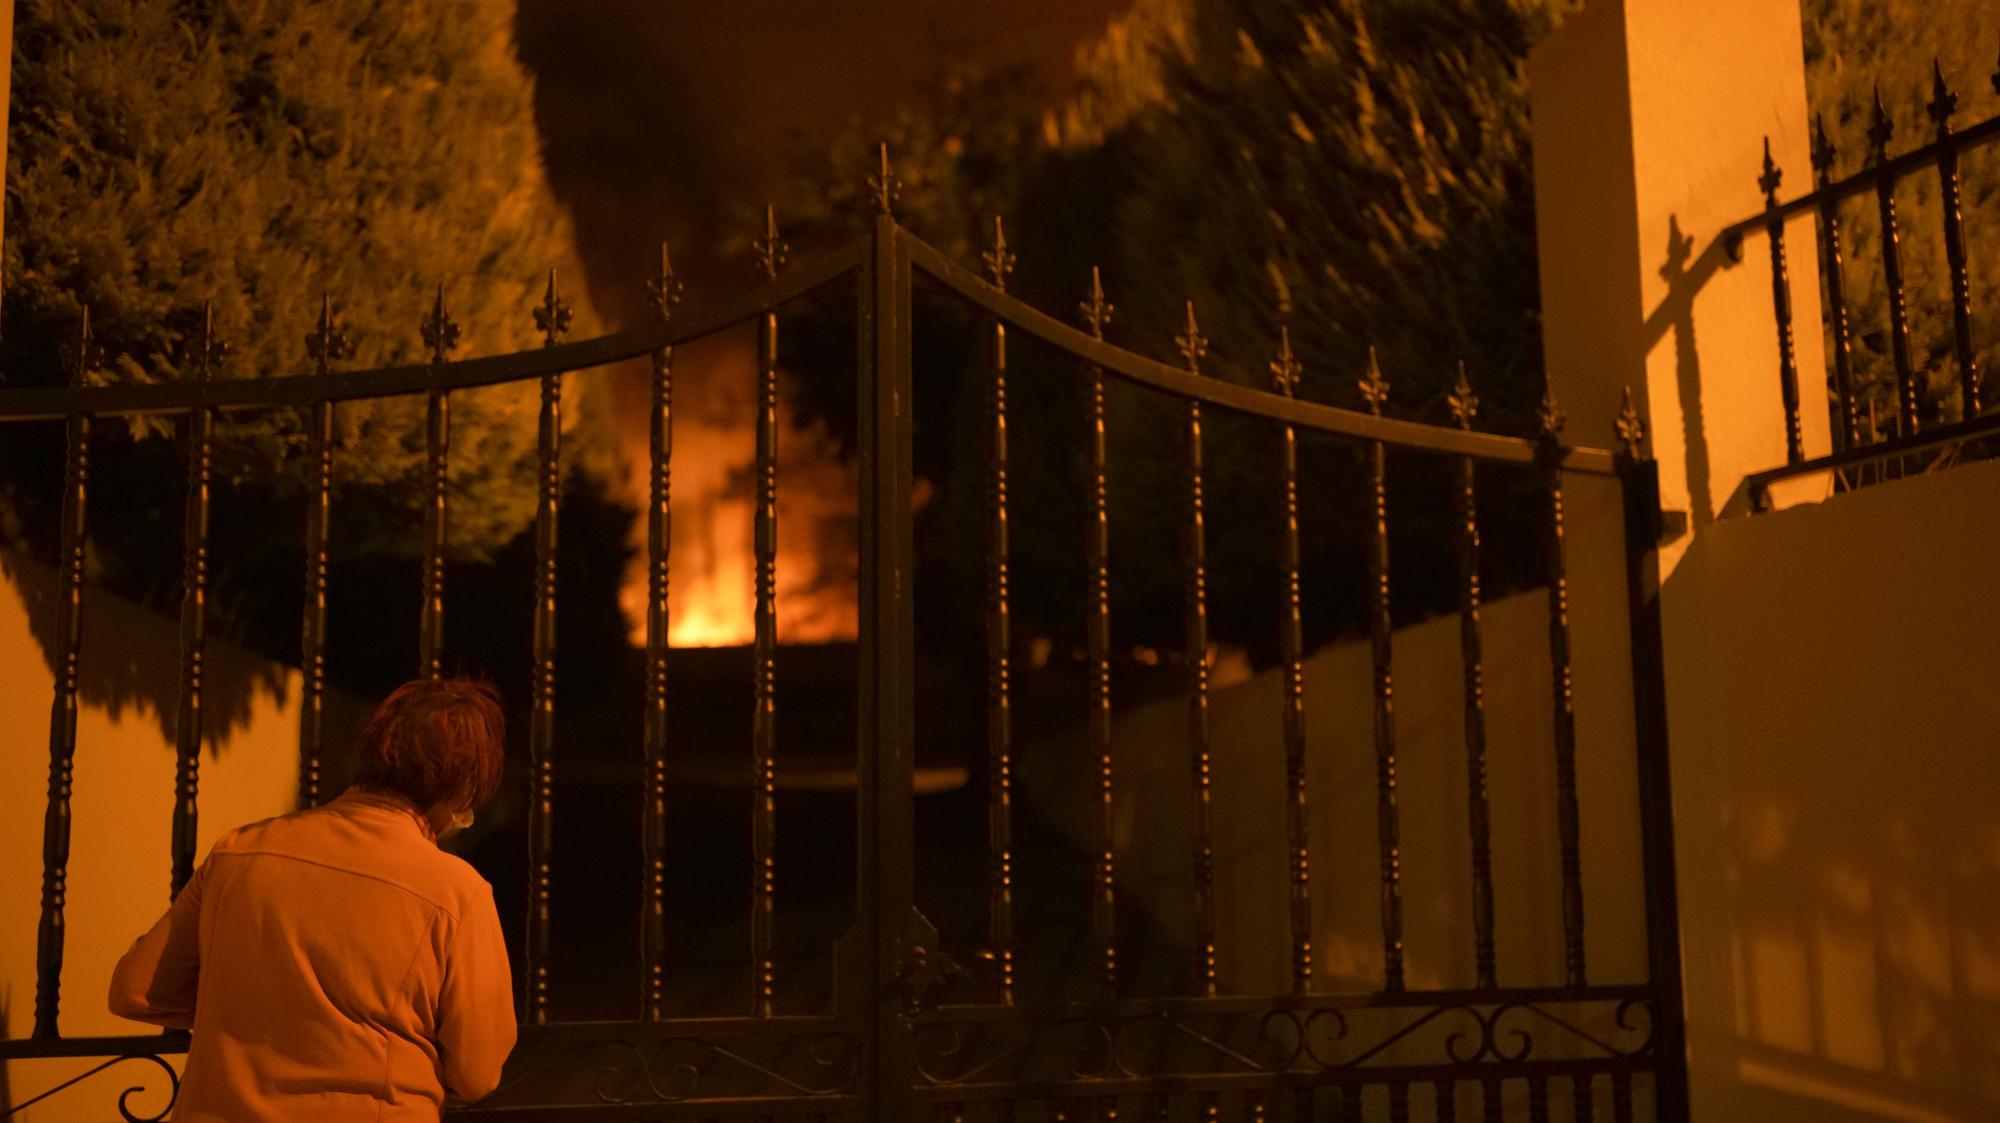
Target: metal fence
{"x": 885, "y": 1048}
{"x": 1868, "y": 448}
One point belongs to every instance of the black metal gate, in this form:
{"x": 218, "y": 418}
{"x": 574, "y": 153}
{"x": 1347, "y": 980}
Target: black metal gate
{"x": 884, "y": 1048}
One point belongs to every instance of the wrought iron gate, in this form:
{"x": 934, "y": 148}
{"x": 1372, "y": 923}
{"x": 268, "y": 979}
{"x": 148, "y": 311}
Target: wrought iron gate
{"x": 884, "y": 1049}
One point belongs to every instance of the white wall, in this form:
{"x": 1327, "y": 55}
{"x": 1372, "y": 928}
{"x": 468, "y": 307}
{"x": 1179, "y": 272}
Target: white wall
{"x": 123, "y": 809}
{"x": 1833, "y": 680}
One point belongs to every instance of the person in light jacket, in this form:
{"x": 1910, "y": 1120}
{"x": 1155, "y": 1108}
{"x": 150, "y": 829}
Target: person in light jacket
{"x": 334, "y": 964}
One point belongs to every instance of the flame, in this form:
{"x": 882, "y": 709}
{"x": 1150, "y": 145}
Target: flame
{"x": 711, "y": 563}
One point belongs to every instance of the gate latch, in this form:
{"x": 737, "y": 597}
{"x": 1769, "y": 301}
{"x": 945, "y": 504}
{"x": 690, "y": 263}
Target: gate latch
{"x": 926, "y": 968}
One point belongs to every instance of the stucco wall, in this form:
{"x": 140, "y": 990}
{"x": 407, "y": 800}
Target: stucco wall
{"x": 1650, "y": 119}
{"x": 123, "y": 809}
{"x": 1833, "y": 681}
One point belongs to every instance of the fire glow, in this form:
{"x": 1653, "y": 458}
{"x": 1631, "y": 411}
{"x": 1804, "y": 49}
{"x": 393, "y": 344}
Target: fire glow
{"x": 711, "y": 563}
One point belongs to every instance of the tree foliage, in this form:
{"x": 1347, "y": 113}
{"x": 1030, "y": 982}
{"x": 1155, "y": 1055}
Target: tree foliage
{"x": 1357, "y": 168}
{"x": 256, "y": 154}
{"x": 1365, "y": 162}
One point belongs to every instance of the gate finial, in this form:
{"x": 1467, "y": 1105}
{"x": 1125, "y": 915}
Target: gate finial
{"x": 1944, "y": 103}
{"x": 1550, "y": 419}
{"x": 1630, "y": 429}
{"x": 1772, "y": 177}
{"x": 1285, "y": 369}
{"x": 770, "y": 250}
{"x": 210, "y": 349}
{"x": 327, "y": 343}
{"x": 1464, "y": 404}
{"x": 84, "y": 353}
{"x": 1097, "y": 310}
{"x": 883, "y": 183}
{"x": 439, "y": 329}
{"x": 1823, "y": 150}
{"x": 1374, "y": 388}
{"x": 552, "y": 315}
{"x": 998, "y": 260}
{"x": 1880, "y": 129}
{"x": 1191, "y": 343}
{"x": 664, "y": 289}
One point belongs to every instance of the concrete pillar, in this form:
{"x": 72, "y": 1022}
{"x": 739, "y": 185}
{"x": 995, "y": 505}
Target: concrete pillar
{"x": 1649, "y": 123}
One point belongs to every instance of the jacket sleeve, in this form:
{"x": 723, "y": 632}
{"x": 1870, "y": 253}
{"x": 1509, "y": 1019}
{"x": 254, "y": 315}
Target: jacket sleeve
{"x": 476, "y": 1004}
{"x": 157, "y": 978}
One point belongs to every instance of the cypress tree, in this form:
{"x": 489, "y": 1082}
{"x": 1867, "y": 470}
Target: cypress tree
{"x": 256, "y": 154}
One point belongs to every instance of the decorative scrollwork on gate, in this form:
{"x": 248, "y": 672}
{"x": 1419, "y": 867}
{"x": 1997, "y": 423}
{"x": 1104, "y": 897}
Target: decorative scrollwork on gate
{"x": 125, "y": 1110}
{"x": 1499, "y": 1034}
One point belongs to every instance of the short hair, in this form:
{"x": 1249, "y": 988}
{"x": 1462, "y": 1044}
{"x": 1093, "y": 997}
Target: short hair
{"x": 437, "y": 741}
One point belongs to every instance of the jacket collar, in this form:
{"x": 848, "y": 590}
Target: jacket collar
{"x": 390, "y": 804}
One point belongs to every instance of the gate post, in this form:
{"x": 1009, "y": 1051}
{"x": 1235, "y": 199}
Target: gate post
{"x": 886, "y": 704}
{"x": 1641, "y": 486}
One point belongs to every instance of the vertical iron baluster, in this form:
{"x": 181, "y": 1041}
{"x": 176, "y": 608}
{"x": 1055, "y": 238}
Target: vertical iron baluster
{"x": 1286, "y": 370}
{"x": 1492, "y": 1102}
{"x": 1909, "y": 399}
{"x": 67, "y": 648}
{"x": 665, "y": 290}
{"x": 194, "y": 607}
{"x": 1208, "y": 1107}
{"x": 1567, "y": 817}
{"x": 1943, "y": 104}
{"x": 312, "y": 644}
{"x": 1847, "y": 422}
{"x": 1781, "y": 301}
{"x": 552, "y": 318}
{"x": 1464, "y": 406}
{"x": 1194, "y": 561}
{"x": 1350, "y": 1104}
{"x": 1446, "y": 1100}
{"x": 1376, "y": 391}
{"x": 764, "y": 739}
{"x": 1104, "y": 874}
{"x": 1583, "y": 1108}
{"x": 442, "y": 336}
{"x": 999, "y": 644}
{"x": 326, "y": 344}
{"x": 1107, "y": 1109}
{"x": 1538, "y": 1099}
{"x": 1621, "y": 1097}
{"x": 1399, "y": 1103}
{"x": 1254, "y": 1106}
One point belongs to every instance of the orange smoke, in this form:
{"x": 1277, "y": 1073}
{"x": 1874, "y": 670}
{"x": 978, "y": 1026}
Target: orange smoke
{"x": 710, "y": 600}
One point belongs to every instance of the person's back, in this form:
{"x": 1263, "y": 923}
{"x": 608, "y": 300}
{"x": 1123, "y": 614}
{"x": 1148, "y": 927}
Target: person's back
{"x": 333, "y": 964}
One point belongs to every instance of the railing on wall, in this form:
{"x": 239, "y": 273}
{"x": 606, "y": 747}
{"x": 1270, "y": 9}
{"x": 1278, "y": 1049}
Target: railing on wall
{"x": 883, "y": 1050}
{"x": 1868, "y": 447}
